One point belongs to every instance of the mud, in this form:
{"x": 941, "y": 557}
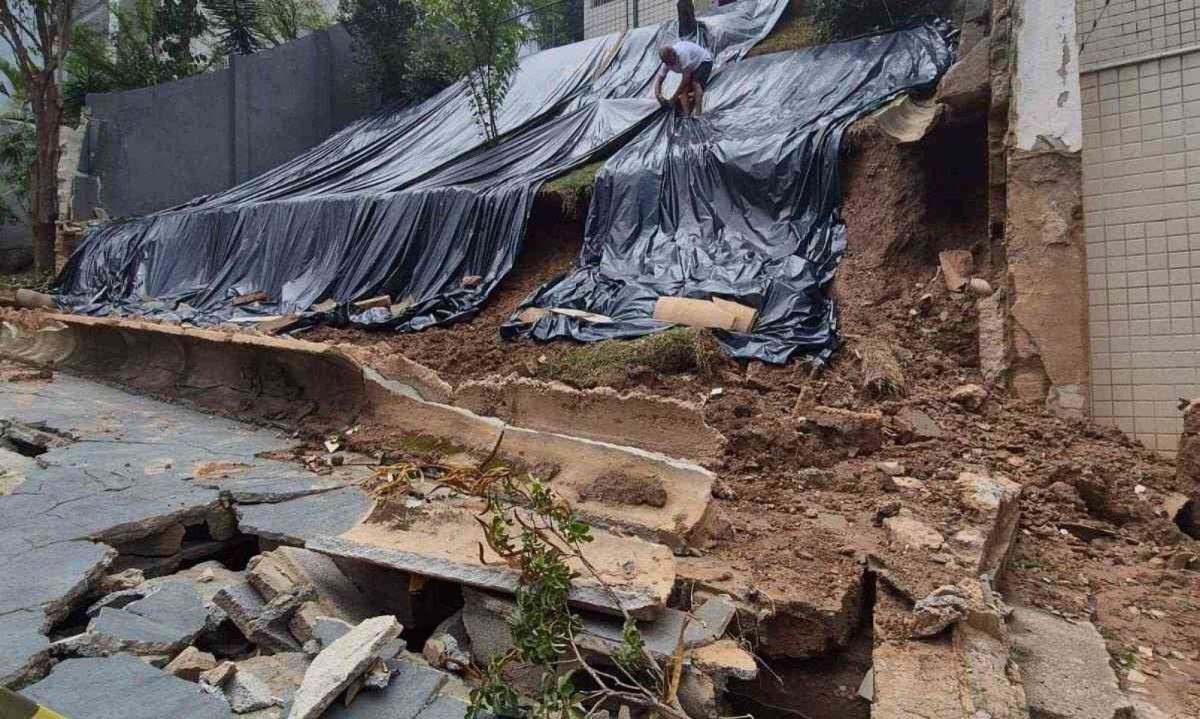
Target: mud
{"x": 620, "y": 488}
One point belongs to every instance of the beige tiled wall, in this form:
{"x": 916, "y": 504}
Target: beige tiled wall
{"x": 1141, "y": 165}
{"x": 1110, "y": 30}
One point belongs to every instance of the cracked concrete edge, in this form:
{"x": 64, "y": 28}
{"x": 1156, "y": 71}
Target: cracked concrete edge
{"x": 967, "y": 673}
{"x": 450, "y": 431}
{"x": 31, "y": 659}
{"x": 521, "y": 401}
{"x": 638, "y": 604}
{"x": 635, "y": 418}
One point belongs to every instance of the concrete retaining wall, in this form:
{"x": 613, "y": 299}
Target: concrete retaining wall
{"x": 155, "y": 147}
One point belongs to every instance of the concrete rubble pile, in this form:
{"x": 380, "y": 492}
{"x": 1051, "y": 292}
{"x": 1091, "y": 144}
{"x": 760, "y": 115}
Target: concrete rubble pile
{"x": 195, "y": 570}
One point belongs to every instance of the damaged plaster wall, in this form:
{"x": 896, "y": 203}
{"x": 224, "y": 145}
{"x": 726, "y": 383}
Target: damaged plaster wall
{"x": 1044, "y": 245}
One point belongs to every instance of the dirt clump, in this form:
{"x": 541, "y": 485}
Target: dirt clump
{"x": 620, "y": 488}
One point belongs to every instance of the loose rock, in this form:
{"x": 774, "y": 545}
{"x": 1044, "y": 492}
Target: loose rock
{"x": 191, "y": 663}
{"x": 341, "y": 663}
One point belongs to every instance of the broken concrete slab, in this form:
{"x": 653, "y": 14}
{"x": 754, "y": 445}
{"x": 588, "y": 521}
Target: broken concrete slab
{"x": 1065, "y": 668}
{"x": 608, "y": 485}
{"x": 993, "y": 682}
{"x": 444, "y": 542}
{"x": 122, "y": 687}
{"x": 299, "y": 520}
{"x": 340, "y": 664}
{"x": 432, "y": 431}
{"x": 410, "y": 690}
{"x": 486, "y": 618}
{"x": 164, "y": 622}
{"x": 24, "y": 650}
{"x": 633, "y": 419}
{"x": 52, "y": 579}
{"x": 917, "y": 679}
{"x": 787, "y": 620}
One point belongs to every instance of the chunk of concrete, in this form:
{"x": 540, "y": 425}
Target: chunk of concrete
{"x": 122, "y": 687}
{"x": 410, "y": 690}
{"x": 920, "y": 424}
{"x": 218, "y": 675}
{"x": 724, "y": 660}
{"x": 282, "y": 673}
{"x": 336, "y": 595}
{"x": 966, "y": 86}
{"x": 993, "y": 502}
{"x": 190, "y": 664}
{"x": 906, "y": 531}
{"x": 444, "y": 542}
{"x": 709, "y": 621}
{"x": 1065, "y": 668}
{"x": 247, "y": 693}
{"x": 328, "y": 630}
{"x": 248, "y": 611}
{"x": 341, "y": 663}
{"x": 120, "y": 581}
{"x": 945, "y": 607}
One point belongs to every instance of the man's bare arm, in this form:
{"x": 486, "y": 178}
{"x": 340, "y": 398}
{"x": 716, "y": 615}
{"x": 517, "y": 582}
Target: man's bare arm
{"x": 658, "y": 83}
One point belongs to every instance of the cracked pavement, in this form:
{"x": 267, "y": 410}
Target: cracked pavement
{"x": 120, "y": 468}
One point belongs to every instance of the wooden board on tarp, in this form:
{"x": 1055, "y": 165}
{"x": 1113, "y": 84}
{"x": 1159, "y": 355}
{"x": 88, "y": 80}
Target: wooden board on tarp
{"x": 715, "y": 313}
{"x": 249, "y": 298}
{"x": 743, "y": 316}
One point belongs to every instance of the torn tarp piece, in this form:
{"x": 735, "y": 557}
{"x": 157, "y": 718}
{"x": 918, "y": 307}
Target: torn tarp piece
{"x": 405, "y": 204}
{"x": 741, "y": 204}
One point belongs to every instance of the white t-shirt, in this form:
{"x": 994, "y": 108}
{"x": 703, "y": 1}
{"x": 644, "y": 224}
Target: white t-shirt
{"x": 688, "y": 56}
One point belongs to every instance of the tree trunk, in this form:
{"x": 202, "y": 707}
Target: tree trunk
{"x": 687, "y": 18}
{"x": 47, "y": 111}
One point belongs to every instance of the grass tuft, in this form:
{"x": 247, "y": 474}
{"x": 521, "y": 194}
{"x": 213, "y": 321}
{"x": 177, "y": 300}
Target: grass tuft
{"x": 791, "y": 33}
{"x": 681, "y": 350}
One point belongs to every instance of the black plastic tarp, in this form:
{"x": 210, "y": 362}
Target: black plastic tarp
{"x": 406, "y": 203}
{"x": 740, "y": 204}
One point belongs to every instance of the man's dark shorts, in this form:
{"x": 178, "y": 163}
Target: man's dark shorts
{"x": 703, "y": 73}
